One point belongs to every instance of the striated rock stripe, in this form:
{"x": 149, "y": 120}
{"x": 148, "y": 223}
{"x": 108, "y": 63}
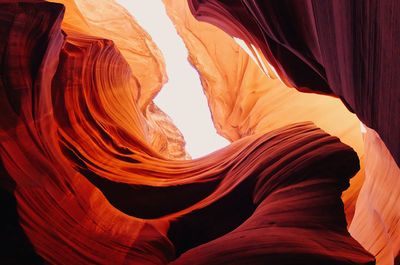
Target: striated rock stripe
{"x": 92, "y": 187}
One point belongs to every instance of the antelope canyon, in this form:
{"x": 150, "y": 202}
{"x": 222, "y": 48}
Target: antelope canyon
{"x": 95, "y": 169}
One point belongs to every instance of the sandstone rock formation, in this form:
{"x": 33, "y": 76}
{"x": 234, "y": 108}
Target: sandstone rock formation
{"x": 345, "y": 49}
{"x": 93, "y": 172}
{"x": 246, "y": 101}
{"x": 341, "y": 48}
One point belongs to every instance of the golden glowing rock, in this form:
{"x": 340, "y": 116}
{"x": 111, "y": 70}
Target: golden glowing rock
{"x": 376, "y": 223}
{"x": 99, "y": 174}
{"x": 108, "y": 20}
{"x": 243, "y": 100}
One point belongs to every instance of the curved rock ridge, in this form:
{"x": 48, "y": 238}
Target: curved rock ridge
{"x": 93, "y": 182}
{"x": 147, "y": 74}
{"x": 291, "y": 169}
{"x": 108, "y": 20}
{"x": 342, "y": 48}
{"x": 244, "y": 101}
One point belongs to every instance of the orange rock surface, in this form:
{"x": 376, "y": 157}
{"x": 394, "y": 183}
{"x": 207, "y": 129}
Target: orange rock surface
{"x": 320, "y": 48}
{"x": 93, "y": 172}
{"x": 108, "y": 20}
{"x": 376, "y": 221}
{"x": 244, "y": 101}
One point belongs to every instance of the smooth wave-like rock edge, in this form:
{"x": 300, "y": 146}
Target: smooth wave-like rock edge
{"x": 58, "y": 131}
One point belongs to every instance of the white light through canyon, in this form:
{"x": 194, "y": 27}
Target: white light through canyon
{"x": 182, "y": 98}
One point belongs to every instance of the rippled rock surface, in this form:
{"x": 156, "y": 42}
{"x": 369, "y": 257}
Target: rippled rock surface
{"x": 346, "y": 49}
{"x": 93, "y": 172}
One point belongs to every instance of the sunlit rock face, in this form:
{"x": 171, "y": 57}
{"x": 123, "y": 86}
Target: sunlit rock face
{"x": 378, "y": 207}
{"x": 93, "y": 172}
{"x": 244, "y": 101}
{"x": 331, "y": 47}
{"x": 139, "y": 82}
{"x": 341, "y": 48}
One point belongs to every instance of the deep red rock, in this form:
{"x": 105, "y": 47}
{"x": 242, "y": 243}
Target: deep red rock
{"x": 342, "y": 48}
{"x": 91, "y": 186}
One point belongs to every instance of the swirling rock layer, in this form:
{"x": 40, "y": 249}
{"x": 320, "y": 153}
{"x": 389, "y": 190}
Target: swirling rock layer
{"x": 243, "y": 100}
{"x": 94, "y": 184}
{"x": 345, "y": 48}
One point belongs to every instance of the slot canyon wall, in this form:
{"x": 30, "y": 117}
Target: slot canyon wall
{"x": 341, "y": 48}
{"x": 93, "y": 172}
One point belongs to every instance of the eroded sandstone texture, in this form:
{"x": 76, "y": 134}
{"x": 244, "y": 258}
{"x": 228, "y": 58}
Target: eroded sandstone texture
{"x": 93, "y": 172}
{"x": 347, "y": 49}
{"x": 246, "y": 101}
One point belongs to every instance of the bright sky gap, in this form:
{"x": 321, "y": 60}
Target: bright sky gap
{"x": 182, "y": 98}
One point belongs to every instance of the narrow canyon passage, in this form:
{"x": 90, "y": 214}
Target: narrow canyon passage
{"x": 182, "y": 97}
{"x": 99, "y": 125}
